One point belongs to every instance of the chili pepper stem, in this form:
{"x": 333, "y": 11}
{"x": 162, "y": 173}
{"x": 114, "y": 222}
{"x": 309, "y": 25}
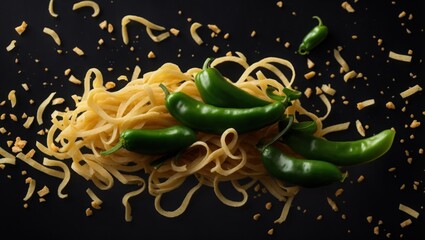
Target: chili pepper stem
{"x": 318, "y": 19}
{"x": 164, "y": 88}
{"x": 261, "y": 146}
{"x": 207, "y": 63}
{"x": 117, "y": 147}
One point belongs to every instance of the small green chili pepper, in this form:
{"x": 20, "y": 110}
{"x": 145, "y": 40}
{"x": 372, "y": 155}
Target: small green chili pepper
{"x": 313, "y": 38}
{"x": 218, "y": 91}
{"x": 341, "y": 153}
{"x": 155, "y": 141}
{"x": 211, "y": 119}
{"x": 302, "y": 172}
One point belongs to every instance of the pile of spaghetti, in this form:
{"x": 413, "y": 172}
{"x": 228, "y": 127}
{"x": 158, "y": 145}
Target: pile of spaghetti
{"x": 100, "y": 115}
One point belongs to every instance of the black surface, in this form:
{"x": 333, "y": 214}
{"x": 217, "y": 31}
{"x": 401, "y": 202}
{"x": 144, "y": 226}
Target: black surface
{"x": 379, "y": 195}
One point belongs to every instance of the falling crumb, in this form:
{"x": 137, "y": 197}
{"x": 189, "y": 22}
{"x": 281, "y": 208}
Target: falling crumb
{"x": 103, "y": 25}
{"x": 287, "y": 44}
{"x": 320, "y": 217}
{"x": 369, "y": 219}
{"x": 332, "y": 204}
{"x": 89, "y": 212}
{"x": 406, "y": 223}
{"x": 268, "y": 205}
{"x": 226, "y": 36}
{"x": 338, "y": 192}
{"x": 41, "y": 200}
{"x": 214, "y": 28}
{"x": 100, "y": 41}
{"x": 58, "y": 101}
{"x": 21, "y": 28}
{"x": 414, "y": 124}
{"x": 78, "y": 51}
{"x": 74, "y": 80}
{"x": 270, "y": 231}
{"x": 253, "y": 33}
{"x": 376, "y": 230}
{"x": 345, "y": 5}
{"x": 174, "y": 31}
{"x": 109, "y": 85}
{"x": 110, "y": 28}
{"x": 43, "y": 192}
{"x": 25, "y": 205}
{"x": 279, "y": 4}
{"x": 310, "y": 63}
{"x": 151, "y": 55}
{"x": 390, "y": 105}
{"x": 215, "y": 48}
{"x": 11, "y": 46}
{"x": 256, "y": 216}
{"x": 392, "y": 169}
{"x": 402, "y": 14}
{"x": 310, "y": 75}
{"x": 360, "y": 179}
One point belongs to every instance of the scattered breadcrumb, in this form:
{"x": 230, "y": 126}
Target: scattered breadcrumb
{"x": 279, "y": 4}
{"x": 151, "y": 55}
{"x": 310, "y": 75}
{"x": 360, "y": 179}
{"x": 11, "y": 46}
{"x": 390, "y": 105}
{"x": 78, "y": 51}
{"x": 214, "y": 28}
{"x": 406, "y": 223}
{"x": 43, "y": 192}
{"x": 366, "y": 103}
{"x": 338, "y": 192}
{"x": 74, "y": 80}
{"x": 268, "y": 205}
{"x": 21, "y": 28}
{"x": 174, "y": 31}
{"x": 89, "y": 212}
{"x": 310, "y": 63}
{"x": 360, "y": 128}
{"x": 270, "y": 231}
{"x": 345, "y": 5}
{"x": 256, "y": 216}
{"x": 253, "y": 33}
{"x": 349, "y": 75}
{"x": 103, "y": 25}
{"x": 332, "y": 204}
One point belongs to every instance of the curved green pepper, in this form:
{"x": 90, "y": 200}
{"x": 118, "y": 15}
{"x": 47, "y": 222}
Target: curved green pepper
{"x": 155, "y": 141}
{"x": 302, "y": 172}
{"x": 211, "y": 119}
{"x": 341, "y": 153}
{"x": 313, "y": 38}
{"x": 218, "y": 91}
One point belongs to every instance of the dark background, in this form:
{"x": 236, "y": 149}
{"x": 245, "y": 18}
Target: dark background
{"x": 379, "y": 195}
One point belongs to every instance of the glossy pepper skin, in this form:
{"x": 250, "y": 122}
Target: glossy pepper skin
{"x": 211, "y": 119}
{"x": 341, "y": 153}
{"x": 155, "y": 141}
{"x": 218, "y": 91}
{"x": 302, "y": 172}
{"x": 313, "y": 38}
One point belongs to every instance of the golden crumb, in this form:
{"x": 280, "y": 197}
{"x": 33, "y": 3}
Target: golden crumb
{"x": 279, "y": 4}
{"x": 89, "y": 212}
{"x": 256, "y": 216}
{"x": 253, "y": 33}
{"x": 270, "y": 231}
{"x": 310, "y": 75}
{"x": 151, "y": 55}
{"x": 268, "y": 205}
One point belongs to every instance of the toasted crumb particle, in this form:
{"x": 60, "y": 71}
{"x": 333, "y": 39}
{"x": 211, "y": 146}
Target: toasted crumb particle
{"x": 268, "y": 205}
{"x": 308, "y": 92}
{"x": 338, "y": 192}
{"x": 13, "y": 117}
{"x": 406, "y": 223}
{"x": 343, "y": 216}
{"x": 256, "y": 216}
{"x": 74, "y": 80}
{"x": 41, "y": 200}
{"x": 100, "y": 41}
{"x": 360, "y": 128}
{"x": 349, "y": 75}
{"x": 58, "y": 101}
{"x": 345, "y": 5}
{"x": 110, "y": 85}
{"x": 402, "y": 14}
{"x": 30, "y": 153}
{"x": 215, "y": 48}
{"x": 376, "y": 230}
{"x": 392, "y": 169}
{"x": 151, "y": 55}
{"x": 43, "y": 192}
{"x": 332, "y": 204}
{"x": 279, "y": 4}
{"x": 310, "y": 75}
{"x": 78, "y": 51}
{"x": 12, "y": 98}
{"x": 360, "y": 179}
{"x": 253, "y": 33}
{"x": 25, "y": 205}
{"x": 365, "y": 103}
{"x": 278, "y": 39}
{"x": 11, "y": 46}
{"x": 421, "y": 151}
{"x": 414, "y": 124}
{"x": 110, "y": 28}
{"x": 390, "y": 105}
{"x": 369, "y": 219}
{"x": 174, "y": 31}
{"x": 320, "y": 217}
{"x": 103, "y": 25}
{"x": 287, "y": 44}
{"x": 95, "y": 204}
{"x": 214, "y": 28}
{"x": 89, "y": 212}
{"x": 21, "y": 28}
{"x": 310, "y": 63}
{"x": 270, "y": 231}
{"x": 226, "y": 36}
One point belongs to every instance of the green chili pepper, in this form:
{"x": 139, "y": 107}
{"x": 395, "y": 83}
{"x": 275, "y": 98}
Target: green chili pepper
{"x": 341, "y": 153}
{"x": 218, "y": 91}
{"x": 309, "y": 127}
{"x": 302, "y": 172}
{"x": 155, "y": 141}
{"x": 211, "y": 119}
{"x": 313, "y": 38}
